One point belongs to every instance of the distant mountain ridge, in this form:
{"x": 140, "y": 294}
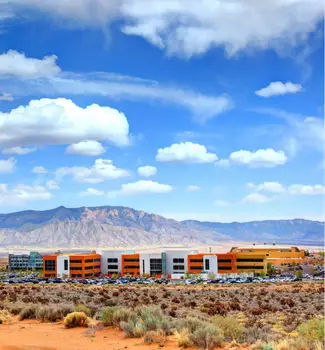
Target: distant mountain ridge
{"x": 116, "y": 226}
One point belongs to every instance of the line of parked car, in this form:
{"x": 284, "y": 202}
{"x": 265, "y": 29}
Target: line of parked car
{"x": 32, "y": 278}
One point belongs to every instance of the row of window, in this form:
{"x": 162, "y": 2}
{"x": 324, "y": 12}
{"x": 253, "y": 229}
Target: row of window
{"x": 249, "y": 260}
{"x": 178, "y": 260}
{"x": 132, "y": 267}
{"x": 131, "y": 259}
{"x": 112, "y": 267}
{"x": 250, "y": 267}
{"x": 79, "y": 268}
{"x": 79, "y": 261}
{"x": 112, "y": 260}
{"x": 178, "y": 267}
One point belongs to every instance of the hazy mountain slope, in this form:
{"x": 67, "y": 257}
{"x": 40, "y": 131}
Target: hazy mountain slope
{"x": 127, "y": 227}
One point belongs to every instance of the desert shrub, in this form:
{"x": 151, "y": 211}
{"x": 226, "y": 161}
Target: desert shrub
{"x": 83, "y": 308}
{"x": 190, "y": 323}
{"x": 230, "y": 327}
{"x": 312, "y": 330}
{"x": 113, "y": 315}
{"x": 48, "y": 313}
{"x": 252, "y": 334}
{"x": 207, "y": 337}
{"x": 4, "y": 316}
{"x": 157, "y": 337}
{"x": 76, "y": 319}
{"x": 15, "y": 308}
{"x": 183, "y": 338}
{"x": 133, "y": 328}
{"x": 28, "y": 311}
{"x": 153, "y": 319}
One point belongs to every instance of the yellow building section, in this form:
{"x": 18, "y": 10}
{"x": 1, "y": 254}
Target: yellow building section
{"x": 248, "y": 262}
{"x": 275, "y": 255}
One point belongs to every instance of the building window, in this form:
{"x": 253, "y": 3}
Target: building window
{"x": 66, "y": 265}
{"x": 207, "y": 264}
{"x": 179, "y": 267}
{"x": 250, "y": 260}
{"x": 89, "y": 267}
{"x": 89, "y": 274}
{"x": 89, "y": 260}
{"x": 112, "y": 260}
{"x": 155, "y": 265}
{"x": 224, "y": 260}
{"x": 131, "y": 259}
{"x": 112, "y": 267}
{"x": 224, "y": 268}
{"x": 199, "y": 268}
{"x": 132, "y": 267}
{"x": 76, "y": 275}
{"x": 178, "y": 260}
{"x": 97, "y": 260}
{"x": 196, "y": 260}
{"x": 97, "y": 267}
{"x": 76, "y": 268}
{"x": 243, "y": 267}
{"x": 75, "y": 261}
{"x": 50, "y": 265}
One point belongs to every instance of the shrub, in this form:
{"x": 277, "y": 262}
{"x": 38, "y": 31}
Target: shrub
{"x": 231, "y": 328}
{"x": 312, "y": 330}
{"x": 133, "y": 328}
{"x": 48, "y": 313}
{"x": 153, "y": 319}
{"x": 76, "y": 319}
{"x": 83, "y": 308}
{"x": 113, "y": 315}
{"x": 158, "y": 337}
{"x": 190, "y": 323}
{"x": 183, "y": 338}
{"x": 207, "y": 336}
{"x": 28, "y": 312}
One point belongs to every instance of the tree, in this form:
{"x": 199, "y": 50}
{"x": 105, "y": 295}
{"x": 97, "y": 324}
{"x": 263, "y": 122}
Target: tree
{"x": 211, "y": 276}
{"x": 299, "y": 274}
{"x": 262, "y": 274}
{"x": 270, "y": 269}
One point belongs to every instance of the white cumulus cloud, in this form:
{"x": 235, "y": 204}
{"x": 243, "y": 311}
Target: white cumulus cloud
{"x": 39, "y": 170}
{"x": 86, "y": 148}
{"x": 22, "y": 193}
{"x": 52, "y": 185}
{"x": 147, "y": 170}
{"x": 7, "y": 165}
{"x": 102, "y": 169}
{"x": 298, "y": 189}
{"x": 18, "y": 150}
{"x": 261, "y": 158}
{"x": 185, "y": 152}
{"x": 276, "y": 88}
{"x": 16, "y": 64}
{"x": 141, "y": 187}
{"x": 92, "y": 192}
{"x": 256, "y": 198}
{"x": 268, "y": 186}
{"x": 60, "y": 121}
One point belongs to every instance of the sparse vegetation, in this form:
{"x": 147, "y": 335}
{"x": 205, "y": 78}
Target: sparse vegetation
{"x": 76, "y": 319}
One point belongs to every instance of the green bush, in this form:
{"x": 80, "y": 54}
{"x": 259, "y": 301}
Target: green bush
{"x": 133, "y": 328}
{"x": 207, "y": 337}
{"x": 190, "y": 323}
{"x": 28, "y": 312}
{"x": 83, "y": 308}
{"x": 312, "y": 330}
{"x": 76, "y": 319}
{"x": 113, "y": 315}
{"x": 48, "y": 313}
{"x": 232, "y": 329}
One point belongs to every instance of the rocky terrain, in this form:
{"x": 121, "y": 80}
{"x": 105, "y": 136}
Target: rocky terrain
{"x": 112, "y": 226}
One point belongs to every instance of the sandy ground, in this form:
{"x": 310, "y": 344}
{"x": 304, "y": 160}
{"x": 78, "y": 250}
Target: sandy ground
{"x": 34, "y": 335}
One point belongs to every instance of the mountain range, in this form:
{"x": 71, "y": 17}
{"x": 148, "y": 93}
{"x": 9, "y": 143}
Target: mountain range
{"x": 115, "y": 226}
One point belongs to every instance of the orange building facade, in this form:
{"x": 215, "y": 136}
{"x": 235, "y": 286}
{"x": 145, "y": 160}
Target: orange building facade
{"x": 226, "y": 263}
{"x": 130, "y": 264}
{"x": 72, "y": 265}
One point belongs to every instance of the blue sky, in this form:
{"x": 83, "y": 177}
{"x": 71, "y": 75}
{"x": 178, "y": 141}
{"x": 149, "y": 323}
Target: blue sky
{"x": 210, "y": 112}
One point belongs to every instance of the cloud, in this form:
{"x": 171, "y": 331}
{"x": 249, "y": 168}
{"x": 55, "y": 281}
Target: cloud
{"x": 18, "y": 150}
{"x": 86, "y": 148}
{"x": 278, "y": 88}
{"x": 7, "y": 165}
{"x": 192, "y": 188}
{"x": 6, "y": 97}
{"x": 221, "y": 203}
{"x": 60, "y": 121}
{"x": 92, "y": 192}
{"x": 103, "y": 169}
{"x": 256, "y": 198}
{"x": 273, "y": 187}
{"x": 261, "y": 158}
{"x": 203, "y": 107}
{"x": 39, "y": 170}
{"x": 141, "y": 187}
{"x": 17, "y": 64}
{"x": 52, "y": 185}
{"x": 306, "y": 189}
{"x": 187, "y": 27}
{"x": 185, "y": 152}
{"x": 147, "y": 171}
{"x": 300, "y": 131}
{"x": 22, "y": 193}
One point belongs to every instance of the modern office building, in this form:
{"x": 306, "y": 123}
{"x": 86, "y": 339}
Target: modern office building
{"x": 83, "y": 265}
{"x": 274, "y": 255}
{"x": 31, "y": 261}
{"x": 211, "y": 263}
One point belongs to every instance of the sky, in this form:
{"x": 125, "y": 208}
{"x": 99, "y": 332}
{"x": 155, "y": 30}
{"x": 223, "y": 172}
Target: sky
{"x": 209, "y": 110}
